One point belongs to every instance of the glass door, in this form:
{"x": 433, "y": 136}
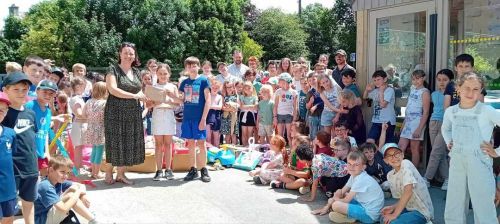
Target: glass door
{"x": 399, "y": 44}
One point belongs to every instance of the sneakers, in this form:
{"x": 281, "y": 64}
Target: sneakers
{"x": 204, "y": 175}
{"x": 340, "y": 218}
{"x": 168, "y": 174}
{"x": 444, "y": 187}
{"x": 304, "y": 190}
{"x": 256, "y": 180}
{"x": 158, "y": 175}
{"x": 276, "y": 184}
{"x": 193, "y": 173}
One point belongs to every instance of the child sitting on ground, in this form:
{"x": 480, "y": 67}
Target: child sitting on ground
{"x": 342, "y": 132}
{"x": 322, "y": 143}
{"x": 406, "y": 183}
{"x": 272, "y": 162}
{"x": 375, "y": 165}
{"x": 57, "y": 197}
{"x": 332, "y": 184}
{"x": 321, "y": 166}
{"x": 361, "y": 198}
{"x": 295, "y": 174}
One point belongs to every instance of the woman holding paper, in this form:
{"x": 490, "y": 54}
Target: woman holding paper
{"x": 123, "y": 129}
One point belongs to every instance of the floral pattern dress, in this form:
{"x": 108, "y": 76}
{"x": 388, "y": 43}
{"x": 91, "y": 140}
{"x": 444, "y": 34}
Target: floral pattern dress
{"x": 94, "y": 110}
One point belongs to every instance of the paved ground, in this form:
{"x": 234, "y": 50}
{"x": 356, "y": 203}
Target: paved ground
{"x": 231, "y": 197}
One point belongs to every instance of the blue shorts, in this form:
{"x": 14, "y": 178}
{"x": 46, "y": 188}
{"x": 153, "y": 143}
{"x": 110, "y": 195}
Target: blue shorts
{"x": 8, "y": 208}
{"x": 376, "y": 129}
{"x": 356, "y": 211}
{"x": 327, "y": 118}
{"x": 27, "y": 188}
{"x": 189, "y": 130}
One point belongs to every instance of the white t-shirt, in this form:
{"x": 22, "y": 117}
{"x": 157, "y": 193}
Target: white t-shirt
{"x": 368, "y": 194}
{"x": 386, "y": 114}
{"x": 229, "y": 78}
{"x": 298, "y": 86}
{"x": 420, "y": 199}
{"x": 236, "y": 70}
{"x": 285, "y": 101}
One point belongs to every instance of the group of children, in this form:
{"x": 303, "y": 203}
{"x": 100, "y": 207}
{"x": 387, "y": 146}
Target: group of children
{"x": 308, "y": 110}
{"x": 32, "y": 108}
{"x": 334, "y": 162}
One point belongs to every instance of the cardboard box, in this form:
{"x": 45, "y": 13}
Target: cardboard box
{"x": 180, "y": 160}
{"x": 149, "y": 165}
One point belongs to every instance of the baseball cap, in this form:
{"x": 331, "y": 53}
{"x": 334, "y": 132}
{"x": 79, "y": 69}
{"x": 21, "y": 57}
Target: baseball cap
{"x": 4, "y": 98}
{"x": 341, "y": 52}
{"x": 388, "y": 146}
{"x": 47, "y": 84}
{"x": 58, "y": 72}
{"x": 273, "y": 80}
{"x": 285, "y": 76}
{"x": 16, "y": 77}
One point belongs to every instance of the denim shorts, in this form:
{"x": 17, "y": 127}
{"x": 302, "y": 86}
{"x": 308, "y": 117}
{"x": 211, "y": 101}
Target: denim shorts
{"x": 356, "y": 211}
{"x": 327, "y": 118}
{"x": 284, "y": 119}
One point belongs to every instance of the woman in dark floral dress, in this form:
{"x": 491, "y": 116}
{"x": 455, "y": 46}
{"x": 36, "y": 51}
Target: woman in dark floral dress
{"x": 123, "y": 128}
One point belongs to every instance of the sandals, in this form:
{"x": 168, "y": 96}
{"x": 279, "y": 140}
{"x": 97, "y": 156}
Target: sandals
{"x": 124, "y": 180}
{"x": 109, "y": 179}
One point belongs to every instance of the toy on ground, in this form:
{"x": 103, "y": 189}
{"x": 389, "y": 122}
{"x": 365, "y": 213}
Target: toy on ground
{"x": 249, "y": 159}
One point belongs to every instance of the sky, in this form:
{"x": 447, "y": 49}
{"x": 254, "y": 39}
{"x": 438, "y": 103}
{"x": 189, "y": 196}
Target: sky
{"x": 288, "y": 6}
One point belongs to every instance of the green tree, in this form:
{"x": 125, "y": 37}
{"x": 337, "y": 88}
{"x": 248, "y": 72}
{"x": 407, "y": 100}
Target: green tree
{"x": 317, "y": 22}
{"x": 14, "y": 29}
{"x": 251, "y": 14}
{"x": 345, "y": 23}
{"x": 280, "y": 34}
{"x": 250, "y": 48}
{"x": 218, "y": 28}
{"x": 162, "y": 30}
{"x": 49, "y": 25}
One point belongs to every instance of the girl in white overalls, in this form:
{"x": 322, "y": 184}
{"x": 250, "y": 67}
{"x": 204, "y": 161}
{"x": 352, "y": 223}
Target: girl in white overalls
{"x": 467, "y": 129}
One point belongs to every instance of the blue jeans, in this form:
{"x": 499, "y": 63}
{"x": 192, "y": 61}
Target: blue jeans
{"x": 313, "y": 126}
{"x": 414, "y": 217}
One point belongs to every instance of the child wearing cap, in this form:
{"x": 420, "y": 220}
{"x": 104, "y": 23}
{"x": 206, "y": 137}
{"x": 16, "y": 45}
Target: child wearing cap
{"x": 407, "y": 185}
{"x": 8, "y": 200}
{"x": 45, "y": 91}
{"x": 16, "y": 86}
{"x": 285, "y": 106}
